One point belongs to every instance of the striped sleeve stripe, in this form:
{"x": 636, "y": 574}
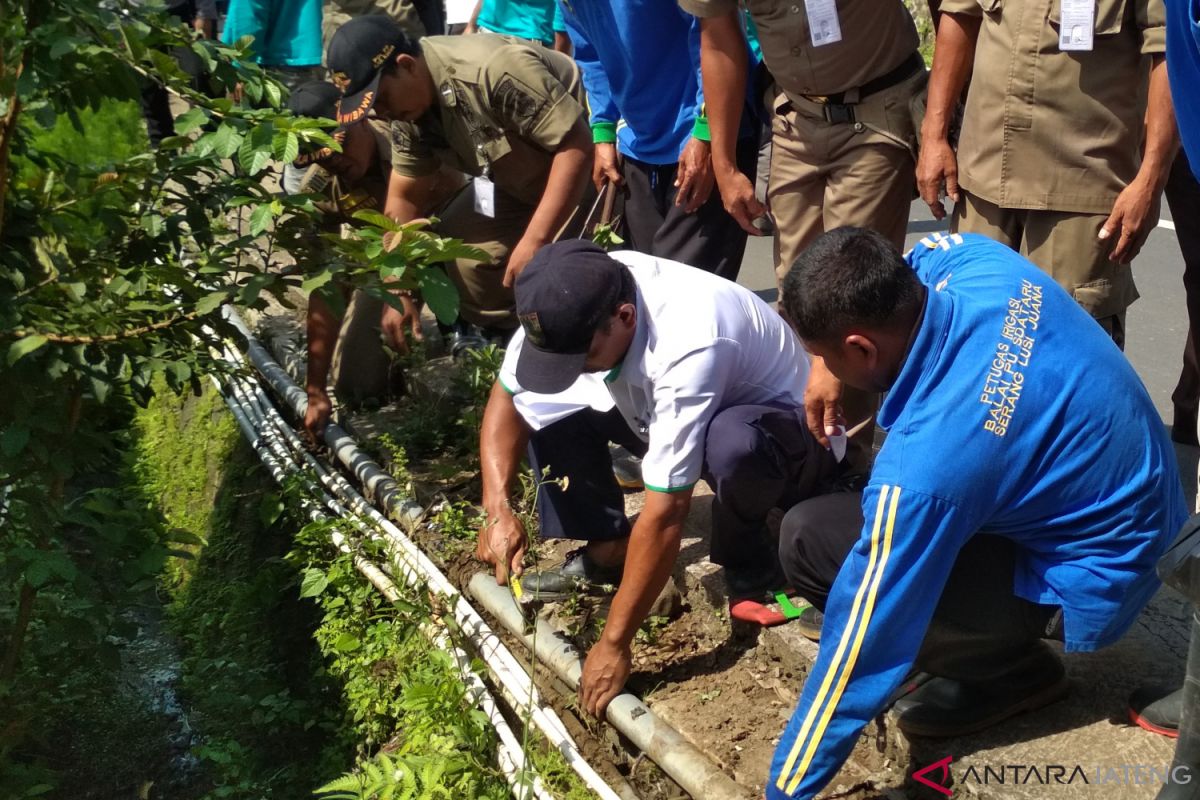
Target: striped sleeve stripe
{"x": 853, "y": 635}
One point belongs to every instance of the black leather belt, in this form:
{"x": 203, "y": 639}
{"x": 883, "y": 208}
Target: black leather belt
{"x": 837, "y": 110}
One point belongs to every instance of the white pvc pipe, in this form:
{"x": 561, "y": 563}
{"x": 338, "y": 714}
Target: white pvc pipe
{"x": 678, "y": 757}
{"x": 515, "y": 683}
{"x": 509, "y": 752}
{"x": 690, "y": 768}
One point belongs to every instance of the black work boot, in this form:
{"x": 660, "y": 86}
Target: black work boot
{"x": 578, "y": 572}
{"x": 1184, "y": 783}
{"x": 944, "y": 707}
{"x": 1156, "y": 709}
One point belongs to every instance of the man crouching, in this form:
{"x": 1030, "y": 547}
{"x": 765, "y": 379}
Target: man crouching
{"x": 692, "y": 372}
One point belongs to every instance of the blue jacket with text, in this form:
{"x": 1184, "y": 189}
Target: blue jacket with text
{"x": 1014, "y": 414}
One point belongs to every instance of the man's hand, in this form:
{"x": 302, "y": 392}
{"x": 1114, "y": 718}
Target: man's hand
{"x": 606, "y": 166}
{"x": 694, "y": 179}
{"x": 737, "y": 193}
{"x": 823, "y": 402}
{"x": 502, "y": 543}
{"x": 604, "y": 674}
{"x": 1131, "y": 221}
{"x": 396, "y": 324}
{"x": 937, "y": 167}
{"x": 519, "y": 257}
{"x": 316, "y": 416}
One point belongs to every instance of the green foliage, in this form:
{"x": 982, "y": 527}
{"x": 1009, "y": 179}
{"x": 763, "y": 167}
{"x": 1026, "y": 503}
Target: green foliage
{"x": 269, "y": 717}
{"x": 183, "y": 445}
{"x": 114, "y": 263}
{"x": 111, "y": 133}
{"x": 404, "y": 698}
{"x": 606, "y": 236}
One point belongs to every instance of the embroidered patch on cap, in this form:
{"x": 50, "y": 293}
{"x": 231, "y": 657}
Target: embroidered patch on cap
{"x": 533, "y": 328}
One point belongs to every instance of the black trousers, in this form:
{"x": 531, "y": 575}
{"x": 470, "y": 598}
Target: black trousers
{"x": 708, "y": 239}
{"x": 980, "y": 629}
{"x": 1183, "y": 197}
{"x": 156, "y": 105}
{"x": 755, "y": 458}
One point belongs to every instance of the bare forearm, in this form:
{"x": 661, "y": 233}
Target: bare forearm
{"x": 568, "y": 173}
{"x": 723, "y": 60}
{"x": 1161, "y": 136}
{"x": 322, "y": 331}
{"x": 653, "y": 548}
{"x": 409, "y": 198}
{"x": 952, "y": 61}
{"x": 502, "y": 441}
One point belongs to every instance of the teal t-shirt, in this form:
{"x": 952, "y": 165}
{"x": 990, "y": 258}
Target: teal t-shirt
{"x": 525, "y": 19}
{"x": 287, "y": 33}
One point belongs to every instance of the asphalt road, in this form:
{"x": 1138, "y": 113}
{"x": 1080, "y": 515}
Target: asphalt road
{"x": 1156, "y": 326}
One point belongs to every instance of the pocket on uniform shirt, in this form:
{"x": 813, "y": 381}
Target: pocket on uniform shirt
{"x": 1110, "y": 16}
{"x": 992, "y": 7}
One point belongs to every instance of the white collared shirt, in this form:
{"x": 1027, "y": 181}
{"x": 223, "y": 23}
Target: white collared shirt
{"x": 702, "y": 344}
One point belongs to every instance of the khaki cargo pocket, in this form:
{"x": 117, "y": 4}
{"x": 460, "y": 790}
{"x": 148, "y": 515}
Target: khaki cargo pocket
{"x": 1105, "y": 297}
{"x": 890, "y": 112}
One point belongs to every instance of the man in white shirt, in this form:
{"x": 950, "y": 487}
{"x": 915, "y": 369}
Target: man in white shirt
{"x": 689, "y": 370}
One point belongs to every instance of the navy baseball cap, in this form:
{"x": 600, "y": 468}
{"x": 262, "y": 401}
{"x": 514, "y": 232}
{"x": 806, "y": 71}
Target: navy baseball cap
{"x": 563, "y": 295}
{"x": 356, "y": 57}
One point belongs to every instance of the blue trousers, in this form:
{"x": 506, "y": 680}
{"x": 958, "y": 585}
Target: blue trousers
{"x": 756, "y": 458}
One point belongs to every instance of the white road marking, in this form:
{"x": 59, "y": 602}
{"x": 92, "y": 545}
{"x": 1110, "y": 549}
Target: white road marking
{"x": 1166, "y": 223}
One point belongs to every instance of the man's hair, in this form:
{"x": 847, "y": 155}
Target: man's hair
{"x": 405, "y": 45}
{"x": 849, "y": 278}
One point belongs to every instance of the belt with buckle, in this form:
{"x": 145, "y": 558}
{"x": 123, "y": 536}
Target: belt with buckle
{"x": 837, "y": 110}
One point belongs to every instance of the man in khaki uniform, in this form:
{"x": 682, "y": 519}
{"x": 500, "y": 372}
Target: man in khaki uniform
{"x": 510, "y": 115}
{"x": 1067, "y": 140}
{"x": 843, "y": 138}
{"x": 347, "y": 344}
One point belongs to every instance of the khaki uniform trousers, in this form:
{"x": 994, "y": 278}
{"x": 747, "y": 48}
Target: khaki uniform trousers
{"x": 825, "y": 175}
{"x": 483, "y": 299}
{"x": 1064, "y": 245}
{"x": 361, "y": 367}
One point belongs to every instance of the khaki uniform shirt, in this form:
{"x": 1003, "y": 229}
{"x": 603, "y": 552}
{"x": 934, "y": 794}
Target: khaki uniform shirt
{"x": 500, "y": 109}
{"x": 877, "y": 35}
{"x": 1050, "y": 130}
{"x": 336, "y": 13}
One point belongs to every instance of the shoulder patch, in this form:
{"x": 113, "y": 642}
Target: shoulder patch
{"x": 403, "y": 137}
{"x": 516, "y": 101}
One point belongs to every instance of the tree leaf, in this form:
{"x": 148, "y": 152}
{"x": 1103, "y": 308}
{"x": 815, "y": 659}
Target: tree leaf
{"x": 226, "y": 141}
{"x": 13, "y": 440}
{"x": 190, "y": 120}
{"x": 316, "y": 281}
{"x": 440, "y": 294}
{"x": 346, "y": 643}
{"x": 313, "y": 583}
{"x": 260, "y": 219}
{"x": 23, "y": 347}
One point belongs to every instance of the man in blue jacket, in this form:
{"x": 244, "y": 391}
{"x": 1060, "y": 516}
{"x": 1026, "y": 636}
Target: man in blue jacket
{"x": 1025, "y": 491}
{"x": 641, "y": 68}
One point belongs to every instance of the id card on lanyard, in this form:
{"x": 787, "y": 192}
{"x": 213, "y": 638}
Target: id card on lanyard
{"x": 485, "y": 190}
{"x": 823, "y": 24}
{"x": 1077, "y": 24}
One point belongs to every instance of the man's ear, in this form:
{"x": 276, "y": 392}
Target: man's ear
{"x": 864, "y": 347}
{"x": 627, "y": 314}
{"x": 406, "y": 62}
